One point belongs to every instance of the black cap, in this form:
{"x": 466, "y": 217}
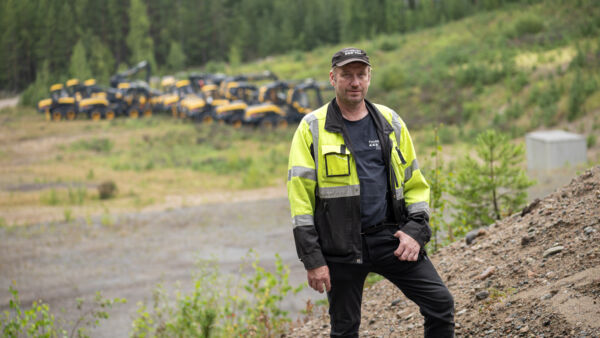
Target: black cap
{"x": 347, "y": 55}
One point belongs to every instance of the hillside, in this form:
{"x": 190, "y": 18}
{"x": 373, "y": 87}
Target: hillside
{"x": 535, "y": 273}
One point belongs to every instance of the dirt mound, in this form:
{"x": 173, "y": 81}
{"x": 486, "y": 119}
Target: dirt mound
{"x": 535, "y": 273}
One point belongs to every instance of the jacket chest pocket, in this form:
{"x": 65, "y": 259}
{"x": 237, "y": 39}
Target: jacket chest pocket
{"x": 337, "y": 160}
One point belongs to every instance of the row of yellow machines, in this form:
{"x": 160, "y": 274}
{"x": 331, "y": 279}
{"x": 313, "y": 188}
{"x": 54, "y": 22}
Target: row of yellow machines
{"x": 236, "y": 100}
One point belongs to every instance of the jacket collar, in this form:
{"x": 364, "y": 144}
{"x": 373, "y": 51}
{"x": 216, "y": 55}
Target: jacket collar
{"x": 334, "y": 122}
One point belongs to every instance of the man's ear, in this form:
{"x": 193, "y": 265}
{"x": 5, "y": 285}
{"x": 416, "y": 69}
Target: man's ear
{"x": 331, "y": 78}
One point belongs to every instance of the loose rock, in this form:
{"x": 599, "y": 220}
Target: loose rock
{"x": 553, "y": 250}
{"x": 481, "y": 295}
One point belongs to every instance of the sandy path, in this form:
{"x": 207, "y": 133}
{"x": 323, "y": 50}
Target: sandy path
{"x": 60, "y": 262}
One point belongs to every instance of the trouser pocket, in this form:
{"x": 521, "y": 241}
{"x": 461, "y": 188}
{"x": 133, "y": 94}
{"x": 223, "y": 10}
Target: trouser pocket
{"x": 381, "y": 245}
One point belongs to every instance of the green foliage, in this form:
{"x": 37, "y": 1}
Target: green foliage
{"x": 581, "y": 87}
{"x": 490, "y": 186}
{"x": 590, "y": 141}
{"x": 438, "y": 184}
{"x": 99, "y": 145}
{"x": 38, "y": 90}
{"x": 139, "y": 41}
{"x": 50, "y": 197}
{"x": 219, "y": 307}
{"x": 371, "y": 279}
{"x": 176, "y": 57}
{"x": 68, "y": 213}
{"x": 107, "y": 190}
{"x": 78, "y": 65}
{"x": 526, "y": 25}
{"x": 39, "y": 321}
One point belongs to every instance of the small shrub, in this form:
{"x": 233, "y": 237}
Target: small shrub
{"x": 220, "y": 308}
{"x": 77, "y": 195}
{"x": 99, "y": 145}
{"x": 388, "y": 45}
{"x": 591, "y": 141}
{"x": 107, "y": 190}
{"x": 50, "y": 197}
{"x": 39, "y": 321}
{"x": 68, "y": 215}
{"x": 576, "y": 98}
{"x": 525, "y": 26}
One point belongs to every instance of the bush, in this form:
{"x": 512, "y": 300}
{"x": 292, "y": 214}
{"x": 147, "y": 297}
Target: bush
{"x": 525, "y": 26}
{"x": 107, "y": 190}
{"x": 99, "y": 145}
{"x": 39, "y": 321}
{"x": 220, "y": 308}
{"x": 591, "y": 140}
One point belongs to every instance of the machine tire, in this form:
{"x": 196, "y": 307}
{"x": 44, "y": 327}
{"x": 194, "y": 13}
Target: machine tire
{"x": 96, "y": 115}
{"x": 57, "y": 115}
{"x": 282, "y": 124}
{"x": 174, "y": 111}
{"x": 71, "y": 115}
{"x": 134, "y": 114}
{"x": 110, "y": 115}
{"x": 48, "y": 115}
{"x": 207, "y": 119}
{"x": 148, "y": 113}
{"x": 237, "y": 124}
{"x": 266, "y": 124}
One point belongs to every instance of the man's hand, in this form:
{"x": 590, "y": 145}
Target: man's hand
{"x": 319, "y": 276}
{"x": 408, "y": 249}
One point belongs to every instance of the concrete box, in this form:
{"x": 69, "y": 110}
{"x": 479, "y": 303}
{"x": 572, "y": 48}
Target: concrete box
{"x": 554, "y": 149}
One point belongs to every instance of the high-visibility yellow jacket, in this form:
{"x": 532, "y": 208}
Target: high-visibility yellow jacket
{"x": 324, "y": 189}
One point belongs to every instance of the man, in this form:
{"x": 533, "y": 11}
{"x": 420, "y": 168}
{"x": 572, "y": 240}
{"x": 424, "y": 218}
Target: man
{"x": 359, "y": 203}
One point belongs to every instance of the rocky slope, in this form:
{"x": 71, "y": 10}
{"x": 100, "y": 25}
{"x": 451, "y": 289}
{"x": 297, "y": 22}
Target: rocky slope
{"x": 533, "y": 274}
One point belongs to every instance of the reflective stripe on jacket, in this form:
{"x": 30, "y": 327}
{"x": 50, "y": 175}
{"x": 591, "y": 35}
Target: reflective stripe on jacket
{"x": 324, "y": 190}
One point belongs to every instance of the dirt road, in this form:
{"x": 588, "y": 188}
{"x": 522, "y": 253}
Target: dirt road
{"x": 127, "y": 255}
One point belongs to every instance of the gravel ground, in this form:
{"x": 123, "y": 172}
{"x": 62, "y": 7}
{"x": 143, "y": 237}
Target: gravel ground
{"x": 127, "y": 255}
{"x": 533, "y": 274}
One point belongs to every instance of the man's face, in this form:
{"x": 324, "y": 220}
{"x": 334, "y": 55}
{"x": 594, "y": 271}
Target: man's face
{"x": 351, "y": 82}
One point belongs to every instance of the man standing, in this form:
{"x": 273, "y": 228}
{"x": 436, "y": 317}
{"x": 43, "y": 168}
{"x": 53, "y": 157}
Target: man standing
{"x": 359, "y": 203}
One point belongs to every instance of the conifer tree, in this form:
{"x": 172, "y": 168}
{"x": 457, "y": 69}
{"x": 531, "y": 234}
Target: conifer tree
{"x": 78, "y": 67}
{"x": 176, "y": 57}
{"x": 490, "y": 186}
{"x": 139, "y": 42}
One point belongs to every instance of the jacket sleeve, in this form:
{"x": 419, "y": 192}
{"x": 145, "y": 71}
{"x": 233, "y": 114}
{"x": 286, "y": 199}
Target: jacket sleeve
{"x": 416, "y": 193}
{"x": 301, "y": 185}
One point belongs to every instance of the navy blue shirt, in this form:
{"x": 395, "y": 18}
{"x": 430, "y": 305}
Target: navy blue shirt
{"x": 370, "y": 167}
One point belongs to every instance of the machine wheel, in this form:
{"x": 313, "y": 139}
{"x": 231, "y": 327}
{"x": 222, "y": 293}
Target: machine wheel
{"x": 110, "y": 115}
{"x": 282, "y": 124}
{"x": 71, "y": 115}
{"x": 207, "y": 119}
{"x": 48, "y": 115}
{"x": 96, "y": 115}
{"x": 134, "y": 114}
{"x": 148, "y": 113}
{"x": 237, "y": 124}
{"x": 56, "y": 115}
{"x": 174, "y": 111}
{"x": 266, "y": 124}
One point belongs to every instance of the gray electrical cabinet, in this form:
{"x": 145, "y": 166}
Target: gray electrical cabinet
{"x": 552, "y": 149}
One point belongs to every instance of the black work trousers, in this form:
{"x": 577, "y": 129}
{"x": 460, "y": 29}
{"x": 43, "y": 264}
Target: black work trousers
{"x": 419, "y": 281}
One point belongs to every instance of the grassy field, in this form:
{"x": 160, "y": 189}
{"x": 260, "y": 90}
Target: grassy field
{"x": 50, "y": 171}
